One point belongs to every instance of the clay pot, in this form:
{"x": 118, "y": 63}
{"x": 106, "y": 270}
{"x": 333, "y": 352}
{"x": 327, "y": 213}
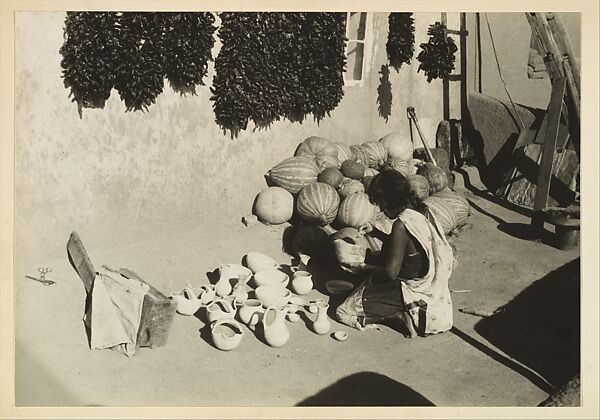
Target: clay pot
{"x": 257, "y": 261}
{"x": 251, "y": 312}
{"x": 187, "y": 302}
{"x": 220, "y": 309}
{"x": 302, "y": 282}
{"x": 276, "y": 296}
{"x": 226, "y": 334}
{"x": 271, "y": 277}
{"x": 276, "y": 332}
{"x": 322, "y": 325}
{"x": 239, "y": 292}
{"x": 226, "y": 273}
{"x": 206, "y": 294}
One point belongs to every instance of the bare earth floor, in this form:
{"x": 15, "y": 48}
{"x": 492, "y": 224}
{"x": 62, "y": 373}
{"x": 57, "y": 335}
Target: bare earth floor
{"x": 511, "y": 359}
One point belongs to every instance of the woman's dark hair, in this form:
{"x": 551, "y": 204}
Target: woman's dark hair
{"x": 391, "y": 190}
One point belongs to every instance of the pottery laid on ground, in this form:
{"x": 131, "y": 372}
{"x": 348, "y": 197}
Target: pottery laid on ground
{"x": 322, "y": 325}
{"x": 340, "y": 335}
{"x": 257, "y": 261}
{"x": 206, "y": 294}
{"x": 187, "y": 302}
{"x": 275, "y": 330}
{"x": 271, "y": 277}
{"x": 303, "y": 264}
{"x": 302, "y": 282}
{"x": 251, "y": 312}
{"x": 226, "y": 334}
{"x": 271, "y": 295}
{"x": 312, "y": 305}
{"x": 220, "y": 309}
{"x": 339, "y": 287}
{"x": 239, "y": 292}
{"x": 227, "y": 272}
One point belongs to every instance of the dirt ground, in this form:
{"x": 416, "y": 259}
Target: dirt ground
{"x": 514, "y": 358}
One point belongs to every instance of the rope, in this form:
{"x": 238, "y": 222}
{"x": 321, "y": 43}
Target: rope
{"x": 500, "y": 73}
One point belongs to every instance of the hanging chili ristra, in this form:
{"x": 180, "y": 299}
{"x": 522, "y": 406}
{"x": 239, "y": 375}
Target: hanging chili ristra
{"x": 140, "y": 74}
{"x": 188, "y": 49}
{"x": 437, "y": 55}
{"x": 400, "y": 45}
{"x": 89, "y": 56}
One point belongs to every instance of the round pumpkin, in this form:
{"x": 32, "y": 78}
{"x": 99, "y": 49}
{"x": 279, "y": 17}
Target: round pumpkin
{"x": 419, "y": 186}
{"x": 436, "y": 177}
{"x": 310, "y": 240}
{"x": 294, "y": 173}
{"x": 343, "y": 152}
{"x": 376, "y": 153}
{"x": 398, "y": 146}
{"x": 352, "y": 169}
{"x": 443, "y": 212}
{"x": 405, "y": 167}
{"x": 459, "y": 204}
{"x": 355, "y": 210}
{"x": 274, "y": 206}
{"x": 318, "y": 203}
{"x": 331, "y": 176}
{"x": 370, "y": 172}
{"x": 359, "y": 155}
{"x": 350, "y": 186}
{"x": 323, "y": 151}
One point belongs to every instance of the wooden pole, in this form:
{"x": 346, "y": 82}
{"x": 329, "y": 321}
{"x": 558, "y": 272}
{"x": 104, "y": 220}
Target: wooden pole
{"x": 547, "y": 158}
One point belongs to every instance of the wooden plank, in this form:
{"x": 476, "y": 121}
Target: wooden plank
{"x": 80, "y": 261}
{"x": 562, "y": 40}
{"x": 548, "y": 149}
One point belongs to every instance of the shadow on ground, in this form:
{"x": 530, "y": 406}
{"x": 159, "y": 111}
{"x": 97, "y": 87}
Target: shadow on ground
{"x": 540, "y": 327}
{"x": 367, "y": 389}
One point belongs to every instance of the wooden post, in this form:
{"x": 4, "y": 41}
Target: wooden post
{"x": 446, "y": 81}
{"x": 545, "y": 170}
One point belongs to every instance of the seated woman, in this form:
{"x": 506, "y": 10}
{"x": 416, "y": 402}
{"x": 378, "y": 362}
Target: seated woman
{"x": 408, "y": 288}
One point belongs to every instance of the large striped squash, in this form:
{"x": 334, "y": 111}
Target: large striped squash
{"x": 294, "y": 173}
{"x": 359, "y": 155}
{"x": 436, "y": 177}
{"x": 355, "y": 210}
{"x": 405, "y": 167}
{"x": 459, "y": 204}
{"x": 418, "y": 185}
{"x": 343, "y": 152}
{"x": 350, "y": 186}
{"x": 442, "y": 211}
{"x": 318, "y": 203}
{"x": 398, "y": 146}
{"x": 323, "y": 151}
{"x": 274, "y": 206}
{"x": 376, "y": 153}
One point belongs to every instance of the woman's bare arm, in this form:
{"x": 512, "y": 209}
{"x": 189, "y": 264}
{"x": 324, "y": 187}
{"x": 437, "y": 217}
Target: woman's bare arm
{"x": 395, "y": 249}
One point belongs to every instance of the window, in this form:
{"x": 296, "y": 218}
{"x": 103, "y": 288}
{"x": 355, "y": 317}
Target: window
{"x": 358, "y": 29}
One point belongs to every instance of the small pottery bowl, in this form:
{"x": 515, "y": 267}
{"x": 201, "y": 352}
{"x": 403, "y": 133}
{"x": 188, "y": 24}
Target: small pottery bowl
{"x": 273, "y": 295}
{"x": 339, "y": 287}
{"x": 291, "y": 308}
{"x": 226, "y": 334}
{"x": 271, "y": 277}
{"x": 257, "y": 261}
{"x": 340, "y": 335}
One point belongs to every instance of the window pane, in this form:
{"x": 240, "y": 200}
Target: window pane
{"x": 355, "y": 60}
{"x": 357, "y": 23}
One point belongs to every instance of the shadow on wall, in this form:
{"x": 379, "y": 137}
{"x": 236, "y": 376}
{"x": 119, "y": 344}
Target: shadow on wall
{"x": 540, "y": 327}
{"x": 367, "y": 389}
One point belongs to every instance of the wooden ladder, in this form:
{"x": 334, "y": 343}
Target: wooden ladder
{"x": 565, "y": 100}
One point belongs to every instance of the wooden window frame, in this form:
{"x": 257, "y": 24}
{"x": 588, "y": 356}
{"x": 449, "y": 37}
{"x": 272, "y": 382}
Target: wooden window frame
{"x": 367, "y": 44}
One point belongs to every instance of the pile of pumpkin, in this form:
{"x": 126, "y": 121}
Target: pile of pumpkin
{"x": 323, "y": 188}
